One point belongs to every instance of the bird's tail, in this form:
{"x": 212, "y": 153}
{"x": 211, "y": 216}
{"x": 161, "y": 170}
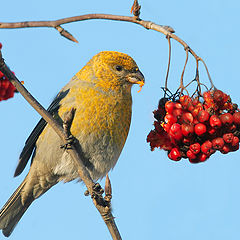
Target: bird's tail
{"x": 12, "y": 211}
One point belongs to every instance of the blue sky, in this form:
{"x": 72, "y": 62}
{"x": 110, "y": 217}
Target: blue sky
{"x": 153, "y": 197}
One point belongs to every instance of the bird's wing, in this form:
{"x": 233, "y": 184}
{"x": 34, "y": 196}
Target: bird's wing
{"x": 33, "y": 137}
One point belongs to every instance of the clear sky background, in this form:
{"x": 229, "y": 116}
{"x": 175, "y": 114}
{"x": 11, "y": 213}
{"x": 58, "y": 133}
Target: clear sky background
{"x": 153, "y": 197}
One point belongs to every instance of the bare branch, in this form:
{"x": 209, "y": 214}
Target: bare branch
{"x": 166, "y": 30}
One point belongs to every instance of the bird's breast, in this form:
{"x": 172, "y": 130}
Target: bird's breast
{"x": 101, "y": 124}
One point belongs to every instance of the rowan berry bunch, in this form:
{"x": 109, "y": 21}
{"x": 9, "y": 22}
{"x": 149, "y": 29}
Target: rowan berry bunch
{"x": 7, "y": 90}
{"x": 196, "y": 127}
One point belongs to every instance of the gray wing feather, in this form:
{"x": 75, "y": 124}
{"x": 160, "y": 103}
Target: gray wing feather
{"x": 33, "y": 137}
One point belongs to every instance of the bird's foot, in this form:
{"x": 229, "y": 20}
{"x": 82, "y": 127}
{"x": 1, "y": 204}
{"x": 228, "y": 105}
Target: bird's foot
{"x": 70, "y": 141}
{"x": 96, "y": 190}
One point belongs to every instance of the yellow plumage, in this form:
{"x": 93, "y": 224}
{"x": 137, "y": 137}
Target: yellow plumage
{"x": 101, "y": 94}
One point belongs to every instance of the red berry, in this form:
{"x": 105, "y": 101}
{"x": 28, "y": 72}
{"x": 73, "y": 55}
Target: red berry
{"x": 234, "y": 148}
{"x": 187, "y": 130}
{"x": 215, "y": 121}
{"x": 207, "y": 147}
{"x": 218, "y": 96}
{"x": 195, "y": 148}
{"x": 226, "y": 149}
{"x": 236, "y": 118}
{"x": 9, "y": 93}
{"x": 190, "y": 107}
{"x": 191, "y": 155}
{"x": 177, "y": 112}
{"x": 195, "y": 101}
{"x": 185, "y": 100}
{"x": 187, "y": 117}
{"x": 202, "y": 157}
{"x": 0, "y": 46}
{"x": 5, "y": 83}
{"x": 169, "y": 106}
{"x": 178, "y": 105}
{"x": 200, "y": 129}
{"x": 2, "y": 92}
{"x": 196, "y": 160}
{"x": 170, "y": 119}
{"x": 212, "y": 151}
{"x": 203, "y": 116}
{"x": 197, "y": 107}
{"x": 226, "y": 118}
{"x": 207, "y": 96}
{"x": 235, "y": 141}
{"x": 176, "y": 131}
{"x": 175, "y": 154}
{"x": 218, "y": 143}
{"x": 1, "y": 74}
{"x": 228, "y": 137}
{"x": 167, "y": 127}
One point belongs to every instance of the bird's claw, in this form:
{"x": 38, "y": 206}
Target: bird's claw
{"x": 70, "y": 140}
{"x": 97, "y": 190}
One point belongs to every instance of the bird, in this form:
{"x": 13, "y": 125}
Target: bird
{"x": 100, "y": 93}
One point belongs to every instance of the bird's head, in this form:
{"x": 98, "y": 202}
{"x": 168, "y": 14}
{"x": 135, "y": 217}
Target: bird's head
{"x": 115, "y": 71}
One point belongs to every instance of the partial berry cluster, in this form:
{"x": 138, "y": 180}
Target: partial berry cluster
{"x": 6, "y": 88}
{"x": 189, "y": 128}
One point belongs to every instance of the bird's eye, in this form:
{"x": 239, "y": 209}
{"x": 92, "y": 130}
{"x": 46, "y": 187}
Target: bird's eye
{"x": 135, "y": 69}
{"x": 119, "y": 68}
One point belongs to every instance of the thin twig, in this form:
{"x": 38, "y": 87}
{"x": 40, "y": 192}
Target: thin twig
{"x": 209, "y": 77}
{"x": 76, "y": 156}
{"x": 198, "y": 90}
{"x": 184, "y": 68}
{"x": 169, "y": 59}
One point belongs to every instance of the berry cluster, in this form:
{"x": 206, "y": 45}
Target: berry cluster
{"x": 6, "y": 88}
{"x": 189, "y": 128}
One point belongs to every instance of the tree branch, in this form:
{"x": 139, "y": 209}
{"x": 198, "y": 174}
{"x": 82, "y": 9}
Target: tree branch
{"x": 166, "y": 30}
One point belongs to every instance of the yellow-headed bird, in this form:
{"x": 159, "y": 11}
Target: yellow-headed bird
{"x": 101, "y": 94}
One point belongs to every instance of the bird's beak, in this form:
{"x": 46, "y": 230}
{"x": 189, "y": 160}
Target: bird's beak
{"x": 136, "y": 78}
